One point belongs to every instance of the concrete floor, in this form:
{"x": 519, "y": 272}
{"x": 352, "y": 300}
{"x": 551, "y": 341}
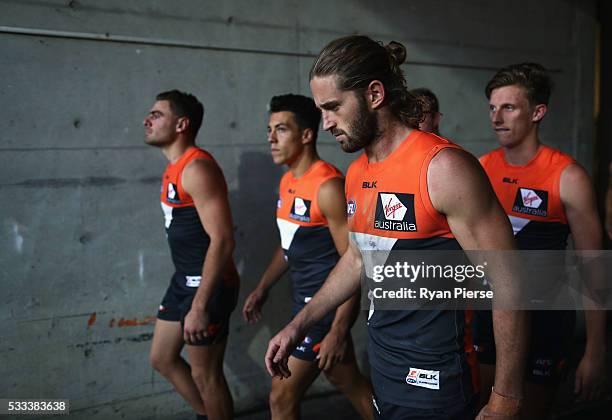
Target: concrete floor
{"x": 335, "y": 406}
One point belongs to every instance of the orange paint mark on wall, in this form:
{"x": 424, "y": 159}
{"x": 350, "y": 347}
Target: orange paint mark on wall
{"x": 122, "y": 322}
{"x": 92, "y": 319}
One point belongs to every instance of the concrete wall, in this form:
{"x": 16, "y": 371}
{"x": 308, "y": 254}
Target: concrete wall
{"x": 83, "y": 258}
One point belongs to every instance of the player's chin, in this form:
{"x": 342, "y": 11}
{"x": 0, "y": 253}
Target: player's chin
{"x": 278, "y": 159}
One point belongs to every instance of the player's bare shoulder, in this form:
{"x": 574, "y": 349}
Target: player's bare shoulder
{"x": 454, "y": 176}
{"x": 203, "y": 175}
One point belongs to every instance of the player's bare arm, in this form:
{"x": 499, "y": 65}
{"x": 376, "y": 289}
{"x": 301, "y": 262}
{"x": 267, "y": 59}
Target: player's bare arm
{"x": 332, "y": 203}
{"x": 251, "y": 311}
{"x": 342, "y": 283}
{"x": 459, "y": 188}
{"x": 204, "y": 182}
{"x": 578, "y": 198}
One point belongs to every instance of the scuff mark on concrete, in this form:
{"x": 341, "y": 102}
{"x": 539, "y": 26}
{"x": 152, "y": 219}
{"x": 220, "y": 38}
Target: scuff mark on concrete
{"x": 53, "y": 318}
{"x": 150, "y": 180}
{"x": 141, "y": 266}
{"x": 90, "y": 181}
{"x": 122, "y": 322}
{"x": 141, "y": 338}
{"x": 85, "y": 237}
{"x": 91, "y": 320}
{"x": 18, "y": 238}
{"x": 89, "y": 345}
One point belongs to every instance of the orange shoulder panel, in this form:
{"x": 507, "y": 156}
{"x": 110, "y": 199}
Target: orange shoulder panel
{"x": 298, "y": 197}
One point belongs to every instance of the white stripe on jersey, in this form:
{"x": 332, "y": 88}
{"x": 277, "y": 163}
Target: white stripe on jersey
{"x": 367, "y": 242}
{"x": 287, "y": 232}
{"x": 167, "y": 214}
{"x": 518, "y": 223}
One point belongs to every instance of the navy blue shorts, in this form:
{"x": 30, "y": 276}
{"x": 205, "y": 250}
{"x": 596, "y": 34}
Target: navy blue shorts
{"x": 177, "y": 302}
{"x": 387, "y": 411}
{"x": 308, "y": 349}
{"x": 549, "y": 347}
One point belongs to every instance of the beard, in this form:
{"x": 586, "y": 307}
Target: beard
{"x": 362, "y": 131}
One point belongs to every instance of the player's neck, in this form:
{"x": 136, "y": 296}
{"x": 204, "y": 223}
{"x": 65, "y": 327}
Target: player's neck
{"x": 303, "y": 162}
{"x": 393, "y": 132}
{"x": 176, "y": 149}
{"x": 522, "y": 153}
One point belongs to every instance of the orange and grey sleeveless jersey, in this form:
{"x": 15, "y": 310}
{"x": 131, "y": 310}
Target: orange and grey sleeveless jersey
{"x": 305, "y": 237}
{"x": 417, "y": 356}
{"x": 186, "y": 236}
{"x": 530, "y": 196}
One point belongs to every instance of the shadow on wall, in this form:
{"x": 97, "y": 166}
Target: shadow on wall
{"x": 254, "y": 212}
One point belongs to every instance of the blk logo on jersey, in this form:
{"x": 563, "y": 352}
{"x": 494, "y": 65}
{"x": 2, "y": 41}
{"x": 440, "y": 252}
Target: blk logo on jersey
{"x": 300, "y": 210}
{"x": 172, "y": 193}
{"x": 395, "y": 211}
{"x": 532, "y": 202}
{"x": 424, "y": 378}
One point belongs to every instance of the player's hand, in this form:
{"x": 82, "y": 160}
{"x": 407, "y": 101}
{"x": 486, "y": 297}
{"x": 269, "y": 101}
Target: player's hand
{"x": 590, "y": 377}
{"x": 486, "y": 414}
{"x": 195, "y": 326}
{"x": 332, "y": 350}
{"x": 279, "y": 350}
{"x": 500, "y": 408}
{"x": 251, "y": 311}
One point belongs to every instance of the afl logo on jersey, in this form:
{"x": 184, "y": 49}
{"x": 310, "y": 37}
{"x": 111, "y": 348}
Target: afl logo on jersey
{"x": 530, "y": 201}
{"x": 351, "y": 207}
{"x": 172, "y": 193}
{"x": 300, "y": 210}
{"x": 395, "y": 211}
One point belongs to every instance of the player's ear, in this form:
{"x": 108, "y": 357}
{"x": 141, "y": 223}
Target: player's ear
{"x": 436, "y": 119}
{"x": 538, "y": 112}
{"x": 375, "y": 94}
{"x": 182, "y": 124}
{"x": 307, "y": 136}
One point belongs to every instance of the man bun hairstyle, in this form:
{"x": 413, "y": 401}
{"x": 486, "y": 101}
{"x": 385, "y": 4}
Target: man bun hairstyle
{"x": 397, "y": 56}
{"x": 306, "y": 113}
{"x": 428, "y": 99}
{"x": 357, "y": 60}
{"x": 187, "y": 105}
{"x": 534, "y": 77}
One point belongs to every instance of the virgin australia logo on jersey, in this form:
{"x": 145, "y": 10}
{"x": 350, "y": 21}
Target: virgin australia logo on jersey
{"x": 531, "y": 201}
{"x": 172, "y": 194}
{"x": 395, "y": 211}
{"x": 300, "y": 210}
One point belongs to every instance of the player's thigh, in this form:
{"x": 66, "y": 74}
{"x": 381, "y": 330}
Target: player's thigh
{"x": 347, "y": 371}
{"x": 207, "y": 359}
{"x": 167, "y": 341}
{"x": 303, "y": 374}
